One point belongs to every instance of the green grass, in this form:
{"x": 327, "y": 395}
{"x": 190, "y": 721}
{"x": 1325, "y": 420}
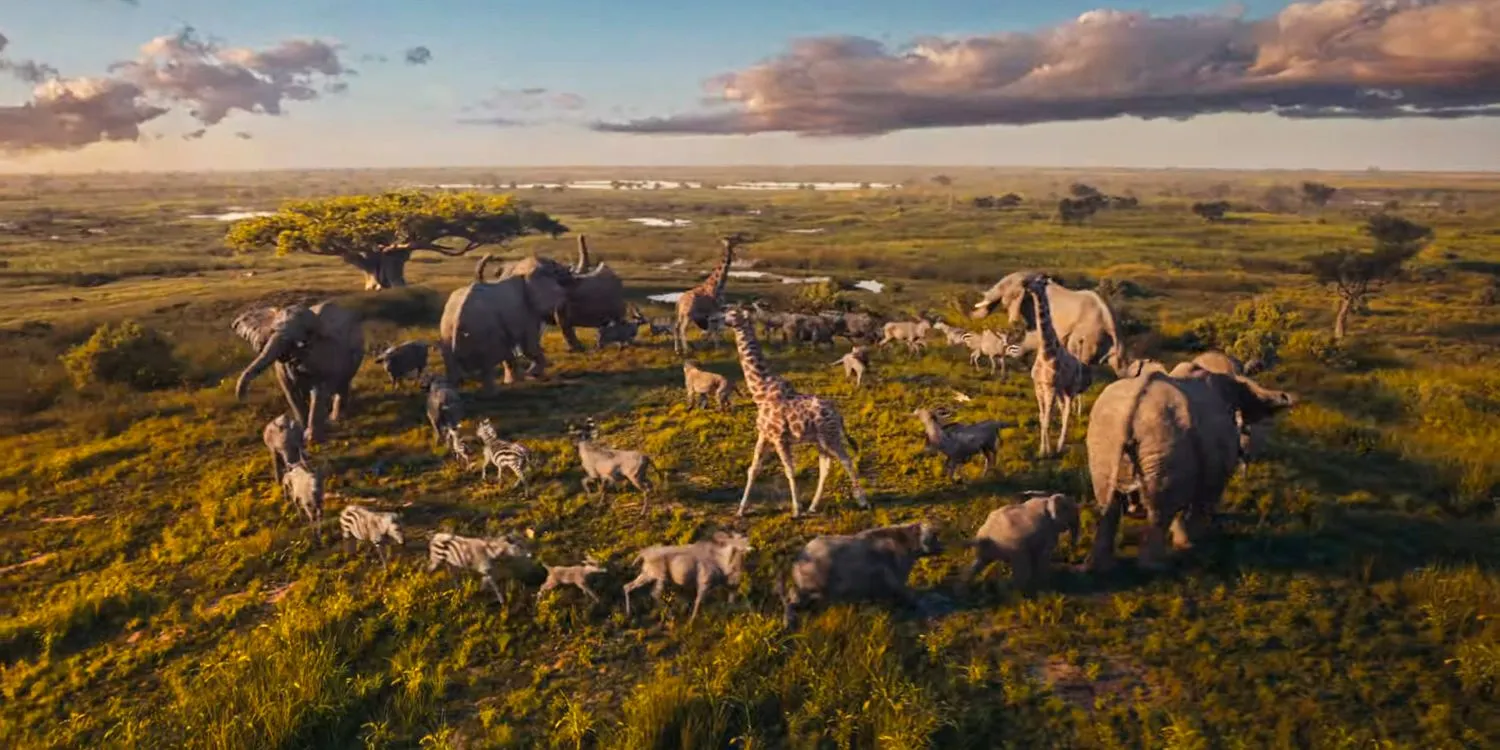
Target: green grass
{"x": 155, "y": 592}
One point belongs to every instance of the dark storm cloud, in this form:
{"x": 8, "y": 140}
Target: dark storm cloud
{"x": 1370, "y": 59}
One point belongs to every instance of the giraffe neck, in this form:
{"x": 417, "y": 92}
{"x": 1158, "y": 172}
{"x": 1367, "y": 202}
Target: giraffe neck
{"x": 761, "y": 382}
{"x": 1050, "y": 345}
{"x": 716, "y": 280}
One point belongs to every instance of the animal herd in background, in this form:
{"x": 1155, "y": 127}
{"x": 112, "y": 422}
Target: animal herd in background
{"x": 1161, "y": 443}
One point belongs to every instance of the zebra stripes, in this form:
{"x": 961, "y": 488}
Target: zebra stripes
{"x": 472, "y": 553}
{"x": 368, "y": 526}
{"x": 993, "y": 345}
{"x": 503, "y": 455}
{"x": 460, "y": 449}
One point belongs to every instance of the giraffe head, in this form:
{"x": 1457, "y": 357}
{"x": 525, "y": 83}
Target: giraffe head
{"x": 1038, "y": 283}
{"x": 736, "y": 316}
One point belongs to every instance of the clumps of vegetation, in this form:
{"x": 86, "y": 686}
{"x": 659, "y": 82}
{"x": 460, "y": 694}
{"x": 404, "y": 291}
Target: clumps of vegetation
{"x": 1211, "y": 211}
{"x": 123, "y": 354}
{"x": 1256, "y": 329}
{"x": 1086, "y": 201}
{"x": 1317, "y": 193}
{"x": 1355, "y": 275}
{"x": 1009, "y": 200}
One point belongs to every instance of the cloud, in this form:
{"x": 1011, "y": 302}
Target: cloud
{"x": 28, "y": 71}
{"x": 242, "y": 135}
{"x": 418, "y": 56}
{"x": 195, "y": 135}
{"x": 500, "y": 106}
{"x": 495, "y": 122}
{"x": 171, "y": 72}
{"x": 1367, "y": 59}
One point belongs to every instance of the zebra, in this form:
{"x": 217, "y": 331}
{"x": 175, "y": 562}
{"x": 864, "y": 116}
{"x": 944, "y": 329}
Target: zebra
{"x": 364, "y": 525}
{"x": 460, "y": 449}
{"x": 503, "y": 455}
{"x": 988, "y": 343}
{"x": 476, "y": 554}
{"x": 303, "y": 485}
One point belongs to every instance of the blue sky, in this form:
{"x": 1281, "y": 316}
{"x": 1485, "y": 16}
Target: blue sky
{"x": 638, "y": 59}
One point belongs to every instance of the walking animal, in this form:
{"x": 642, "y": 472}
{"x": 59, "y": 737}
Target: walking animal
{"x": 914, "y": 335}
{"x": 445, "y": 409}
{"x": 697, "y": 305}
{"x": 370, "y": 527}
{"x": 605, "y": 466}
{"x": 458, "y": 448}
{"x": 571, "y": 575}
{"x": 872, "y": 564}
{"x": 960, "y": 442}
{"x": 405, "y": 360}
{"x": 855, "y": 363}
{"x": 718, "y": 560}
{"x": 954, "y": 334}
{"x": 621, "y": 333}
{"x": 503, "y": 455}
{"x": 785, "y": 418}
{"x": 988, "y": 343}
{"x": 474, "y": 553}
{"x": 285, "y": 440}
{"x": 1081, "y": 319}
{"x": 303, "y": 485}
{"x": 1056, "y": 375}
{"x": 705, "y": 386}
{"x": 1024, "y": 535}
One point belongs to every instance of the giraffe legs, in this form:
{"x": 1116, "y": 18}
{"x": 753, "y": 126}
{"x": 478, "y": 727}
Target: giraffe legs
{"x": 784, "y": 452}
{"x": 1062, "y": 432}
{"x": 1044, "y": 399}
{"x": 760, "y": 448}
{"x": 824, "y": 464}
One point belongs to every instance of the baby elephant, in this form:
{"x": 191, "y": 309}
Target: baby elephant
{"x": 1024, "y": 535}
{"x": 701, "y": 566}
{"x": 604, "y": 466}
{"x": 705, "y": 386}
{"x": 571, "y": 575}
{"x": 405, "y": 360}
{"x": 873, "y": 564}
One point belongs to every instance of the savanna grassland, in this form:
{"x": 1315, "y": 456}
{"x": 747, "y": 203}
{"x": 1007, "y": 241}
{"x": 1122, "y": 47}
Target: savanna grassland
{"x": 157, "y": 592}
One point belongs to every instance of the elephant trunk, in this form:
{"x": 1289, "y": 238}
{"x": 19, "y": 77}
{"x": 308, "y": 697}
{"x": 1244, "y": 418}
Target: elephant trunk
{"x": 275, "y": 347}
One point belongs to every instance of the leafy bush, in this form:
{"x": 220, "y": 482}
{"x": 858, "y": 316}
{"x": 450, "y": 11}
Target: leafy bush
{"x": 823, "y": 295}
{"x": 1320, "y": 347}
{"x": 124, "y": 354}
{"x": 1255, "y": 329}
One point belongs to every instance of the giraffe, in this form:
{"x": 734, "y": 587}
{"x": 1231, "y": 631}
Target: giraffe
{"x": 1056, "y": 374}
{"x": 785, "y": 418}
{"x": 698, "y": 305}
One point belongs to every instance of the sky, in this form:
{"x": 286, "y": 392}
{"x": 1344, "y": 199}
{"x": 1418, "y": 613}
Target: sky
{"x": 209, "y": 84}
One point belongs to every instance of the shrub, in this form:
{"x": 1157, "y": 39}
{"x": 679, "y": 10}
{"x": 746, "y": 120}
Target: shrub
{"x": 823, "y": 295}
{"x": 1255, "y": 329}
{"x": 124, "y": 354}
{"x": 1319, "y": 347}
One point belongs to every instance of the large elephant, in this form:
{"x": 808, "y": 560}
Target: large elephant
{"x": 486, "y": 322}
{"x": 316, "y": 352}
{"x": 1171, "y": 440}
{"x": 1084, "y": 323}
{"x": 596, "y": 298}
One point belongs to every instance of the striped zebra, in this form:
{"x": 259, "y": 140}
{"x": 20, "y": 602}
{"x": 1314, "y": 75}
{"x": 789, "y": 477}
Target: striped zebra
{"x": 364, "y": 525}
{"x": 459, "y": 448}
{"x": 476, "y": 554}
{"x": 503, "y": 455}
{"x": 988, "y": 343}
{"x": 303, "y": 485}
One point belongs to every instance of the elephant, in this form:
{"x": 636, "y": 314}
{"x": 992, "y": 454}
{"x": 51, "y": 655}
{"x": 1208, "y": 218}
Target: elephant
{"x": 485, "y": 323}
{"x": 1252, "y": 436}
{"x": 595, "y": 300}
{"x": 316, "y": 351}
{"x": 1024, "y": 535}
{"x": 1084, "y": 322}
{"x": 1173, "y": 441}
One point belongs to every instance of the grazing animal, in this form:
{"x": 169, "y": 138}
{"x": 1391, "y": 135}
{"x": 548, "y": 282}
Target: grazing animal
{"x": 369, "y": 526}
{"x": 1252, "y": 436}
{"x": 705, "y": 386}
{"x": 660, "y": 327}
{"x": 697, "y": 305}
{"x": 445, "y": 409}
{"x": 914, "y": 335}
{"x": 954, "y": 334}
{"x": 1083, "y": 321}
{"x": 1056, "y": 375}
{"x": 699, "y": 566}
{"x": 474, "y": 553}
{"x": 285, "y": 439}
{"x": 621, "y": 333}
{"x": 570, "y": 575}
{"x": 1173, "y": 440}
{"x": 459, "y": 448}
{"x": 605, "y": 466}
{"x": 855, "y": 363}
{"x": 405, "y": 360}
{"x": 1024, "y": 535}
{"x": 960, "y": 442}
{"x": 858, "y": 327}
{"x": 872, "y": 564}
{"x": 503, "y": 455}
{"x": 785, "y": 418}
{"x": 809, "y": 329}
{"x": 988, "y": 343}
{"x": 303, "y": 485}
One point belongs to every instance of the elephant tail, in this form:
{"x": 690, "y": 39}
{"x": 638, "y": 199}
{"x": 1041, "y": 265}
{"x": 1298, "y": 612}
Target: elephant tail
{"x": 480, "y": 266}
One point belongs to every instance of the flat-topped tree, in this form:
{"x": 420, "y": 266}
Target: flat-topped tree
{"x": 378, "y": 233}
{"x": 1354, "y": 275}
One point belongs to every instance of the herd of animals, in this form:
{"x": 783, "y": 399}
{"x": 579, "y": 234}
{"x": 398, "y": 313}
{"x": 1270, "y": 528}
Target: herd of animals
{"x": 1162, "y": 444}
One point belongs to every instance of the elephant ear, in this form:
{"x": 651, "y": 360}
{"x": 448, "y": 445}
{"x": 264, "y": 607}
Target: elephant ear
{"x": 256, "y": 325}
{"x": 1255, "y": 402}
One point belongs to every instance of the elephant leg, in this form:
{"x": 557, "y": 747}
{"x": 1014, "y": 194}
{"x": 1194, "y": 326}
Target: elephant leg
{"x": 1153, "y": 555}
{"x": 569, "y": 334}
{"x": 510, "y": 375}
{"x": 1188, "y": 527}
{"x": 296, "y": 394}
{"x": 1102, "y": 556}
{"x": 1021, "y": 570}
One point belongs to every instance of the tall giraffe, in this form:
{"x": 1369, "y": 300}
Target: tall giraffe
{"x": 1056, "y": 374}
{"x": 785, "y": 418}
{"x": 698, "y": 305}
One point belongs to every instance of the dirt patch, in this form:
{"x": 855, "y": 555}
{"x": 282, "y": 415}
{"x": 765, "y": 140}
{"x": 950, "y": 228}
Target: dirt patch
{"x": 1117, "y": 679}
{"x": 69, "y": 519}
{"x": 38, "y": 560}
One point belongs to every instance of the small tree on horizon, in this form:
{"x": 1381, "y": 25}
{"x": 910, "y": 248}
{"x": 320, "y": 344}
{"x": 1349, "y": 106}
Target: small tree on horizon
{"x": 1317, "y": 193}
{"x": 1355, "y": 275}
{"x": 377, "y": 234}
{"x": 1211, "y": 211}
{"x": 946, "y": 182}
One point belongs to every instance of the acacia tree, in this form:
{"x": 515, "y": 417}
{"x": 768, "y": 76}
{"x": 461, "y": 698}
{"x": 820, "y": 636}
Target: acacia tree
{"x": 1212, "y": 211}
{"x": 946, "y": 182}
{"x": 377, "y": 234}
{"x": 1318, "y": 193}
{"x": 1355, "y": 275}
